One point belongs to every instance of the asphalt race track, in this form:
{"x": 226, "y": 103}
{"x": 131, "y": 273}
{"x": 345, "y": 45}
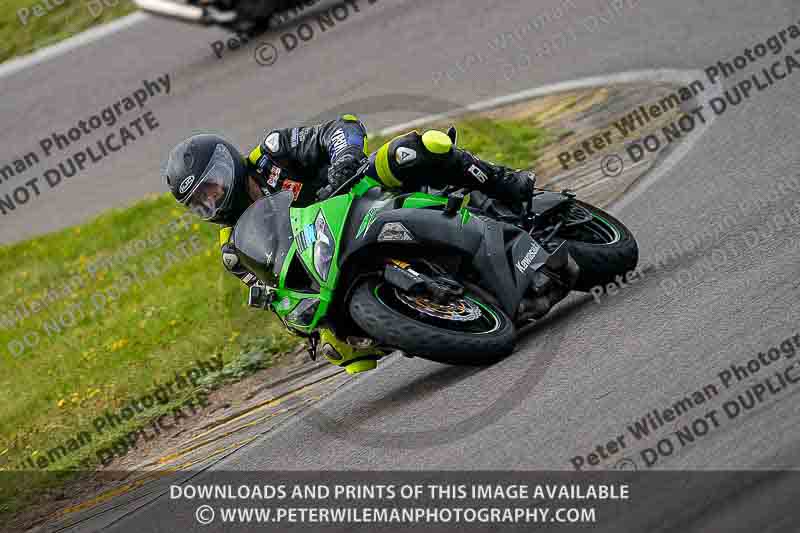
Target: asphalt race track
{"x": 578, "y": 379}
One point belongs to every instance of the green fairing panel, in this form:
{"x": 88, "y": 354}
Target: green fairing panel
{"x": 422, "y": 201}
{"x": 335, "y": 212}
{"x": 303, "y": 221}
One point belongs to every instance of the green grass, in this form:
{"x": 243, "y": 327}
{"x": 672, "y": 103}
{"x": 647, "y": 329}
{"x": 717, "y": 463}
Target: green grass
{"x": 116, "y": 352}
{"x": 191, "y": 310}
{"x": 61, "y": 22}
{"x": 513, "y": 143}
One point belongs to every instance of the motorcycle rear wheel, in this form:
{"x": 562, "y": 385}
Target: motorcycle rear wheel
{"x": 603, "y": 248}
{"x": 467, "y": 331}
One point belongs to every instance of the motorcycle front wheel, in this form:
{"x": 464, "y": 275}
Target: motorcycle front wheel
{"x": 467, "y": 330}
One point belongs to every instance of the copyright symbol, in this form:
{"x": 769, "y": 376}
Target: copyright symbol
{"x": 204, "y": 514}
{"x": 612, "y": 166}
{"x": 626, "y": 464}
{"x": 266, "y": 54}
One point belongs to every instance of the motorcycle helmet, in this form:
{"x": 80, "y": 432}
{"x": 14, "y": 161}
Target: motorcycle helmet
{"x": 208, "y": 175}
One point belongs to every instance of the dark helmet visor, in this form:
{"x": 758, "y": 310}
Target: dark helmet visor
{"x": 212, "y": 192}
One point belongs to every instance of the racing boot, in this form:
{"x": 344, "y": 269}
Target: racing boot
{"x": 511, "y": 187}
{"x": 354, "y": 355}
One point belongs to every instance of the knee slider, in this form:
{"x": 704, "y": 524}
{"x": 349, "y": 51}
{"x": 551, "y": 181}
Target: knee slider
{"x": 401, "y": 160}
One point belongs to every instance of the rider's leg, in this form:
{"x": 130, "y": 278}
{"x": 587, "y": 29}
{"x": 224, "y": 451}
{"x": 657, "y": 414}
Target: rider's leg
{"x": 413, "y": 160}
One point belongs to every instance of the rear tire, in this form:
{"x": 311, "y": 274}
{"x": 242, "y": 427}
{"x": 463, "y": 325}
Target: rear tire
{"x": 254, "y": 16}
{"x": 387, "y": 322}
{"x": 601, "y": 263}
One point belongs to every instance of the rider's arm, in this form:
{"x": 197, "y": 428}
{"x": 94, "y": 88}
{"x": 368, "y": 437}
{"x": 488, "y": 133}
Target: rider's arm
{"x": 313, "y": 147}
{"x": 344, "y": 135}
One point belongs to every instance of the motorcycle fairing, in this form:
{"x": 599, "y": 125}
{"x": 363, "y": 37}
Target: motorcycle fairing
{"x": 505, "y": 257}
{"x": 277, "y": 242}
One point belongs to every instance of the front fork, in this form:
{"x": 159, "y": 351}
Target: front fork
{"x": 355, "y": 357}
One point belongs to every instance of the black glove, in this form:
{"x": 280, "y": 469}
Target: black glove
{"x": 514, "y": 188}
{"x": 521, "y": 182}
{"x": 344, "y": 168}
{"x": 231, "y": 262}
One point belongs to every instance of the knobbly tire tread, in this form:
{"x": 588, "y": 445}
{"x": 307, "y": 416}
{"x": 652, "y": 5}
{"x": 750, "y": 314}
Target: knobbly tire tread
{"x": 599, "y": 264}
{"x": 426, "y": 341}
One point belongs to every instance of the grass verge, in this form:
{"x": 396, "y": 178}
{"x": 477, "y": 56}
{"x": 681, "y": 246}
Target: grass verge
{"x": 513, "y": 143}
{"x": 28, "y": 25}
{"x": 98, "y": 315}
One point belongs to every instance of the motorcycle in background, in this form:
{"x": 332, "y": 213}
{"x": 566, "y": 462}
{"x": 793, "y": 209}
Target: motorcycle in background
{"x": 240, "y": 16}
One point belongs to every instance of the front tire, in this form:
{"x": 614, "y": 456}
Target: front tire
{"x": 387, "y": 315}
{"x": 603, "y": 249}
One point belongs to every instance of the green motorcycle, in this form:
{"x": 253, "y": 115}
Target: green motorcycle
{"x": 447, "y": 277}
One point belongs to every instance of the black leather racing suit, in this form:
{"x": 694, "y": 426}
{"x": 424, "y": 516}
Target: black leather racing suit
{"x": 298, "y": 159}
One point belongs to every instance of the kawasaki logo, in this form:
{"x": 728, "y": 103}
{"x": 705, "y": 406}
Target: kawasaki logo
{"x": 523, "y": 264}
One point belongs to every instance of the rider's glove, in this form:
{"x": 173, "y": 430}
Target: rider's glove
{"x": 341, "y": 170}
{"x": 515, "y": 188}
{"x": 231, "y": 262}
{"x": 524, "y": 181}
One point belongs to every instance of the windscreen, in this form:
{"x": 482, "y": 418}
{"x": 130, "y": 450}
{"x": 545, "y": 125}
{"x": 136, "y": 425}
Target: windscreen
{"x": 263, "y": 235}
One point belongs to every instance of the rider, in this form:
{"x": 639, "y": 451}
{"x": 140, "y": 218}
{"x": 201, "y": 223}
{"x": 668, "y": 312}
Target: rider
{"x": 208, "y": 174}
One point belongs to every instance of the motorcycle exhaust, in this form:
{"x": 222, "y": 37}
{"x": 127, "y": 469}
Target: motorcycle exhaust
{"x": 187, "y": 13}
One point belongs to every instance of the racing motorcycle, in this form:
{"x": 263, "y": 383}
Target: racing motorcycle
{"x": 241, "y": 16}
{"x": 444, "y": 275}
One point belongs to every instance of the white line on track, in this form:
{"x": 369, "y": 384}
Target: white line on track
{"x": 51, "y": 52}
{"x": 682, "y": 77}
